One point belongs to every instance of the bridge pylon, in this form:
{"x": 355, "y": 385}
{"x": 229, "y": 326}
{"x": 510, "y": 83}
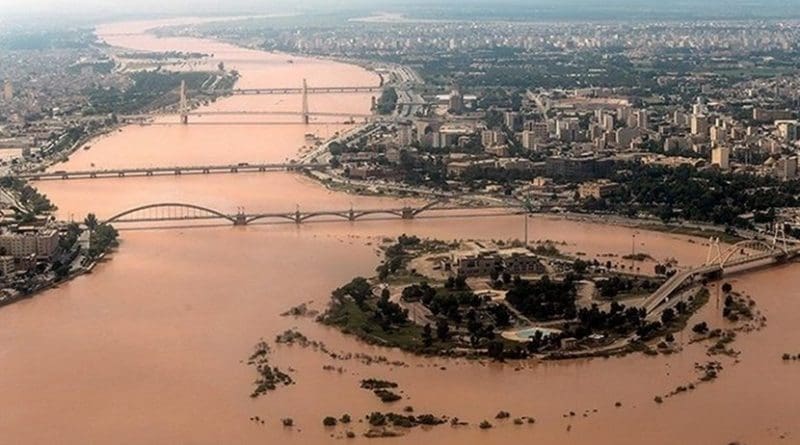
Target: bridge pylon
{"x": 305, "y": 115}
{"x": 407, "y": 213}
{"x": 183, "y": 107}
{"x": 779, "y": 237}
{"x": 298, "y": 217}
{"x": 714, "y": 252}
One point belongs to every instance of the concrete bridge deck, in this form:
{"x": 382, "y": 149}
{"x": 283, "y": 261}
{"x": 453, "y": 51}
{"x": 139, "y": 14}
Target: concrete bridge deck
{"x": 684, "y": 278}
{"x": 170, "y": 171}
{"x": 173, "y": 211}
{"x": 300, "y": 90}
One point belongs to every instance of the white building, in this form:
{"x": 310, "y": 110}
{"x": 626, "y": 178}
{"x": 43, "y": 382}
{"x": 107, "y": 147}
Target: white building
{"x": 43, "y": 244}
{"x": 787, "y": 130}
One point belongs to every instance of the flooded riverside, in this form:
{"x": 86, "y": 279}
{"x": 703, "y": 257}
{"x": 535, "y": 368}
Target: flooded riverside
{"x": 151, "y": 347}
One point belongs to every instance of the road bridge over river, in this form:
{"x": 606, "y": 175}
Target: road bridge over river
{"x": 740, "y": 257}
{"x": 304, "y": 113}
{"x": 183, "y": 212}
{"x": 124, "y": 172}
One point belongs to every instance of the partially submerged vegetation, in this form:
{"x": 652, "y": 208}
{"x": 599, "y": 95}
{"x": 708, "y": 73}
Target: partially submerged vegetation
{"x": 405, "y": 309}
{"x": 269, "y": 377}
{"x": 382, "y": 389}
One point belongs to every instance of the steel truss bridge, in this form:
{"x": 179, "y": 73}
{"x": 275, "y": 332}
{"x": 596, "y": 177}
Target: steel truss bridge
{"x": 740, "y": 257}
{"x": 176, "y": 211}
{"x": 170, "y": 171}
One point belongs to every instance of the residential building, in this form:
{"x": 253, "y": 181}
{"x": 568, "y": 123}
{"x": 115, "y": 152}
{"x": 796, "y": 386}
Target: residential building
{"x": 720, "y": 156}
{"x": 42, "y": 244}
{"x": 597, "y": 189}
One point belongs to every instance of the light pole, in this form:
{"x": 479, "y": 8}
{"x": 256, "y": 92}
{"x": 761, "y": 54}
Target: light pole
{"x": 525, "y": 215}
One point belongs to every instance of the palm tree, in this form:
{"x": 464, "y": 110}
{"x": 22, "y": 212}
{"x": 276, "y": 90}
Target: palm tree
{"x": 91, "y": 222}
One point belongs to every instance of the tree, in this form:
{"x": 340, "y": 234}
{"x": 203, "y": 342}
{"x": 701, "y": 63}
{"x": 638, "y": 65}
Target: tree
{"x": 495, "y": 349}
{"x": 668, "y": 316}
{"x": 427, "y": 336}
{"x": 502, "y": 316}
{"x": 358, "y": 289}
{"x": 221, "y": 66}
{"x": 91, "y": 222}
{"x": 700, "y": 328}
{"x": 460, "y": 282}
{"x": 727, "y": 288}
{"x": 579, "y": 266}
{"x": 442, "y": 330}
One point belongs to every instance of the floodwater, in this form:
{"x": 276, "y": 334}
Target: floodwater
{"x": 149, "y": 348}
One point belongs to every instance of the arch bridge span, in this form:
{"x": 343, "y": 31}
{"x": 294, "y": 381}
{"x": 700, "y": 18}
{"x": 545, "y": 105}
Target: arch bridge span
{"x": 176, "y": 211}
{"x": 168, "y": 211}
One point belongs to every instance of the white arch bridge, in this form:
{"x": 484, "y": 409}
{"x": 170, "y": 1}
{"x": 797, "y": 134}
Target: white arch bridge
{"x": 739, "y": 257}
{"x": 177, "y": 211}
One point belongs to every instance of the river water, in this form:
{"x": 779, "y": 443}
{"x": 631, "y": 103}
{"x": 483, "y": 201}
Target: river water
{"x": 150, "y": 347}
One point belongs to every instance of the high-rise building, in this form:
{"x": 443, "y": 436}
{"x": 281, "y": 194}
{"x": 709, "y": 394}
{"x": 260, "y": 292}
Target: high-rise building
{"x": 511, "y": 118}
{"x": 456, "y": 100}
{"x": 642, "y": 119}
{"x": 680, "y": 119}
{"x": 787, "y": 130}
{"x": 8, "y": 91}
{"x": 699, "y": 124}
{"x": 720, "y": 156}
{"x": 607, "y": 122}
{"x": 42, "y": 244}
{"x": 529, "y": 140}
{"x": 786, "y": 168}
{"x": 490, "y": 138}
{"x": 718, "y": 135}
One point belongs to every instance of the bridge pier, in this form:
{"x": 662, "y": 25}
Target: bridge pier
{"x": 407, "y": 213}
{"x": 241, "y": 219}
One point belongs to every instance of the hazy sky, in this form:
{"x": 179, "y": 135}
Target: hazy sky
{"x": 106, "y": 8}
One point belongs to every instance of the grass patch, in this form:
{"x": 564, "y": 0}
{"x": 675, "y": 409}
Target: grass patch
{"x": 358, "y": 321}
